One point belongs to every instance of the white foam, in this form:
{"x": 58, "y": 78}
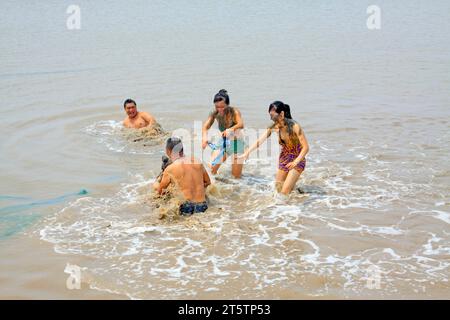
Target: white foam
{"x": 441, "y": 215}
{"x": 213, "y": 259}
{"x": 205, "y": 254}
{"x": 385, "y": 230}
{"x": 311, "y": 258}
{"x": 391, "y": 252}
{"x": 110, "y": 133}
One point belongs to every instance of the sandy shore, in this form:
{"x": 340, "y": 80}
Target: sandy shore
{"x": 39, "y": 273}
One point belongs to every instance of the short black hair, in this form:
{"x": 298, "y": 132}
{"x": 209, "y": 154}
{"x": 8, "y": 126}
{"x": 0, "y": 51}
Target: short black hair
{"x": 175, "y": 143}
{"x": 129, "y": 101}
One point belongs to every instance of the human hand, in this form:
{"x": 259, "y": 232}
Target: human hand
{"x": 204, "y": 143}
{"x": 227, "y": 133}
{"x": 243, "y": 157}
{"x": 292, "y": 165}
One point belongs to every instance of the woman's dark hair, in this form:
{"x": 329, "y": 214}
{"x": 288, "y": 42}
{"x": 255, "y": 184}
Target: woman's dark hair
{"x": 222, "y": 95}
{"x": 280, "y": 106}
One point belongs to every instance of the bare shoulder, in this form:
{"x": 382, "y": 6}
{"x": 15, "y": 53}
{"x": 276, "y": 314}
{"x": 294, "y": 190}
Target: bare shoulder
{"x": 191, "y": 160}
{"x": 170, "y": 168}
{"x": 273, "y": 126}
{"x": 298, "y": 128}
{"x": 236, "y": 110}
{"x": 196, "y": 162}
{"x": 173, "y": 170}
{"x": 145, "y": 113}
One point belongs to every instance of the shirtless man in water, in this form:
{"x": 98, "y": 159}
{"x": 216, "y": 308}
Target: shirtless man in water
{"x": 188, "y": 174}
{"x": 136, "y": 119}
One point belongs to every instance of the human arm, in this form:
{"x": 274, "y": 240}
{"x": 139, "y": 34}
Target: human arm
{"x": 239, "y": 124}
{"x": 206, "y": 179}
{"x": 256, "y": 145}
{"x": 208, "y": 123}
{"x": 305, "y": 147}
{"x": 148, "y": 118}
{"x": 165, "y": 181}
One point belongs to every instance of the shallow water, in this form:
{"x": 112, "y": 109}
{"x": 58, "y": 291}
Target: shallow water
{"x": 374, "y": 105}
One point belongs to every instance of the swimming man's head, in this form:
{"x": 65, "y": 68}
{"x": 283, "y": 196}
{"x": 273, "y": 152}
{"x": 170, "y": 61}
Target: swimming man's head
{"x": 130, "y": 108}
{"x": 174, "y": 147}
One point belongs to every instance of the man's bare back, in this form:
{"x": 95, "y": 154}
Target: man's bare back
{"x": 189, "y": 175}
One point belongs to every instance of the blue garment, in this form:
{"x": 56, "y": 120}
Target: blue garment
{"x": 188, "y": 208}
{"x": 222, "y": 147}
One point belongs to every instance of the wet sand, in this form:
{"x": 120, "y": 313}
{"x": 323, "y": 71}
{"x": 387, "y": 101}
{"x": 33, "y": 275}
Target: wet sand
{"x": 38, "y": 273}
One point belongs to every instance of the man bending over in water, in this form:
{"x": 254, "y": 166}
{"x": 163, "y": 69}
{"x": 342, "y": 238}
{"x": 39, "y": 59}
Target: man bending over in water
{"x": 188, "y": 174}
{"x": 136, "y": 119}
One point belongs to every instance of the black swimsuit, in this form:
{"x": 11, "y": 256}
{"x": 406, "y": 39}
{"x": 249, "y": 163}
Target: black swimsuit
{"x": 188, "y": 208}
